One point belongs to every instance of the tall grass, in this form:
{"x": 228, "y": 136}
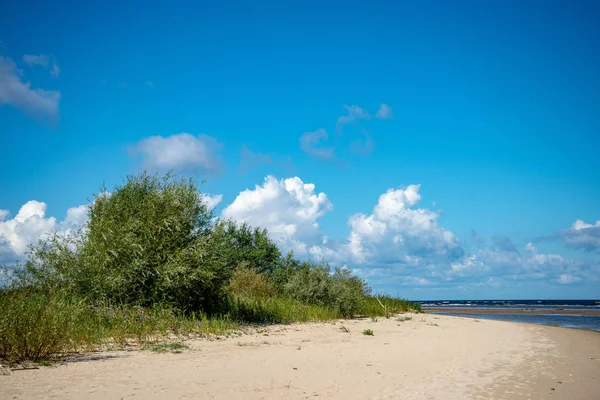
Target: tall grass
{"x": 34, "y": 325}
{"x": 386, "y": 306}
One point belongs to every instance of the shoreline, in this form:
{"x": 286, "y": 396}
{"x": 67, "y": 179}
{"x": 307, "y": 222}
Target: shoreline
{"x": 505, "y": 311}
{"x": 426, "y": 356}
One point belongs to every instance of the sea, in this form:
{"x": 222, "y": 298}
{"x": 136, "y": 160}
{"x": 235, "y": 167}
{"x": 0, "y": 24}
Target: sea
{"x": 550, "y": 311}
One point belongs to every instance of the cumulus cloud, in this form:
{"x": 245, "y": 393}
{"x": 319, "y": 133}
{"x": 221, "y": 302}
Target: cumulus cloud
{"x": 312, "y": 143}
{"x": 46, "y": 62}
{"x": 398, "y": 243}
{"x": 183, "y": 152}
{"x": 19, "y": 94}
{"x": 288, "y": 208}
{"x": 398, "y": 234}
{"x": 30, "y": 225}
{"x": 582, "y": 236}
{"x": 384, "y": 112}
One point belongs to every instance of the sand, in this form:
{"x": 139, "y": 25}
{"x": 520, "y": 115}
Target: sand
{"x": 428, "y": 357}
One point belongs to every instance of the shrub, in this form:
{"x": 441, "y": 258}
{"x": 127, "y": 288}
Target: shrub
{"x": 147, "y": 243}
{"x": 240, "y": 244}
{"x": 368, "y": 332}
{"x": 247, "y": 282}
{"x": 35, "y": 325}
{"x": 313, "y": 284}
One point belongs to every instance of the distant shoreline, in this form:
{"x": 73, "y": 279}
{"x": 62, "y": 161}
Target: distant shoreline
{"x": 509, "y": 311}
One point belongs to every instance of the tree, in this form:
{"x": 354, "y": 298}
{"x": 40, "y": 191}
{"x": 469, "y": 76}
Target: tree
{"x": 147, "y": 242}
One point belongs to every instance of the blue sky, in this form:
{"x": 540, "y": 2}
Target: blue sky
{"x": 493, "y": 108}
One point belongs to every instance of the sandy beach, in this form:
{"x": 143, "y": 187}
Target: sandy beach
{"x": 427, "y": 357}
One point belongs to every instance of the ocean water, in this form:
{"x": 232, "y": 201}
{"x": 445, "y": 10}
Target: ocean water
{"x": 550, "y": 316}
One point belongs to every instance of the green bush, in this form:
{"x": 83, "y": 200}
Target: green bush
{"x": 242, "y": 245}
{"x": 313, "y": 284}
{"x": 35, "y": 325}
{"x": 147, "y": 243}
{"x": 247, "y": 282}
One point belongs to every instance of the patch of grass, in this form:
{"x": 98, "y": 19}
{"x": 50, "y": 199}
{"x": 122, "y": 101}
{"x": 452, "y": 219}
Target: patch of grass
{"x": 374, "y": 319}
{"x": 36, "y": 325}
{"x": 44, "y": 363}
{"x": 344, "y": 329}
{"x": 432, "y": 324}
{"x": 277, "y": 310}
{"x": 168, "y": 347}
{"x": 368, "y": 332}
{"x": 385, "y": 306}
{"x": 403, "y": 319}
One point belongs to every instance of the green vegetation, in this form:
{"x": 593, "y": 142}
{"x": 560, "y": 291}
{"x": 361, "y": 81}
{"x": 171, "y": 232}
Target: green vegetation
{"x": 153, "y": 262}
{"x": 368, "y": 332}
{"x": 167, "y": 347}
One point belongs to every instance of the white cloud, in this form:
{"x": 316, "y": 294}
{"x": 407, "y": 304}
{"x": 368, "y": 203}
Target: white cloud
{"x": 312, "y": 144}
{"x": 398, "y": 243}
{"x": 183, "y": 151}
{"x": 212, "y": 201}
{"x": 288, "y": 208}
{"x": 47, "y": 62}
{"x": 384, "y": 112}
{"x": 31, "y": 224}
{"x": 18, "y": 93}
{"x": 399, "y": 235}
{"x": 27, "y": 227}
{"x": 582, "y": 236}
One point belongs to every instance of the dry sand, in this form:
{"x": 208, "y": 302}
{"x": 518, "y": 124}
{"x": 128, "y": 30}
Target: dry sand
{"x": 428, "y": 357}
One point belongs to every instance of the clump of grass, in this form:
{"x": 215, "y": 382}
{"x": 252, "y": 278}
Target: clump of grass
{"x": 384, "y": 305}
{"x": 36, "y": 325}
{"x": 368, "y": 332}
{"x": 432, "y": 324}
{"x": 374, "y": 319}
{"x": 344, "y": 329}
{"x": 403, "y": 319}
{"x": 168, "y": 348}
{"x": 278, "y": 309}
